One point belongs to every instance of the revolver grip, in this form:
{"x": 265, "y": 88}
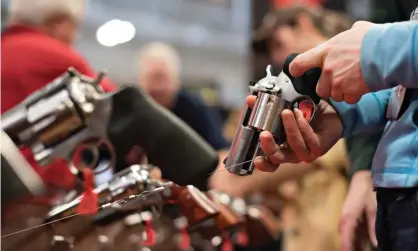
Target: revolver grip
{"x": 305, "y": 84}
{"x": 181, "y": 154}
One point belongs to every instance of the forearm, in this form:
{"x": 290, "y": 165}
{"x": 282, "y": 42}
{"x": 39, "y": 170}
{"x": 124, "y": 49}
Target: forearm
{"x": 241, "y": 186}
{"x": 269, "y": 182}
{"x": 367, "y": 115}
{"x": 389, "y": 56}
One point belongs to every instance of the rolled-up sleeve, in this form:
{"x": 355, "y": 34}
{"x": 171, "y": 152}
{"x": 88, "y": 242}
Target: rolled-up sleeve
{"x": 389, "y": 56}
{"x": 368, "y": 114}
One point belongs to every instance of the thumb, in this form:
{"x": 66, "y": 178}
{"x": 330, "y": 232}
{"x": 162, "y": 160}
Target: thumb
{"x": 307, "y": 60}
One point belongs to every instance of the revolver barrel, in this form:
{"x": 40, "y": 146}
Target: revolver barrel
{"x": 245, "y": 146}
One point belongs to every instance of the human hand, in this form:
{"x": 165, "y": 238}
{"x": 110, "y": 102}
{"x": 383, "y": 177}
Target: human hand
{"x": 306, "y": 141}
{"x": 156, "y": 173}
{"x": 361, "y": 200}
{"x": 228, "y": 183}
{"x": 339, "y": 59}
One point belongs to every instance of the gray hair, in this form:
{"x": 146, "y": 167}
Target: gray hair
{"x": 161, "y": 52}
{"x": 35, "y": 12}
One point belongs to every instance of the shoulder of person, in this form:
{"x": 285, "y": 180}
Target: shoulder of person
{"x": 191, "y": 99}
{"x": 36, "y": 43}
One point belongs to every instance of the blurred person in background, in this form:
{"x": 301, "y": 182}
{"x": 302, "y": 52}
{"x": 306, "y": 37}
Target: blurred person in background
{"x": 295, "y": 30}
{"x": 357, "y": 224}
{"x": 159, "y": 74}
{"x": 36, "y": 48}
{"x": 313, "y": 193}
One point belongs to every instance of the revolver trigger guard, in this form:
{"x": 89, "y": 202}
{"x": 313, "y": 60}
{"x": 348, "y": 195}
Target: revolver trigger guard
{"x": 307, "y": 106}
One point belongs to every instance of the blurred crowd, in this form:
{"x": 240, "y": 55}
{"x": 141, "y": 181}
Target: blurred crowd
{"x": 326, "y": 205}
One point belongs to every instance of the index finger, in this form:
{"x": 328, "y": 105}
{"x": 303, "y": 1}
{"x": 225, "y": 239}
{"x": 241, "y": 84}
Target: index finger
{"x": 307, "y": 60}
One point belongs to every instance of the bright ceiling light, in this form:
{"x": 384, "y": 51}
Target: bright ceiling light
{"x": 115, "y": 32}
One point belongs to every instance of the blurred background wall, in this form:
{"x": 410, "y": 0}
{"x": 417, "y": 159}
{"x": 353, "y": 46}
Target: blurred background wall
{"x": 211, "y": 36}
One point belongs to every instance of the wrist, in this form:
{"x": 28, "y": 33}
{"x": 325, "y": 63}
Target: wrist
{"x": 342, "y": 109}
{"x": 362, "y": 175}
{"x": 335, "y": 106}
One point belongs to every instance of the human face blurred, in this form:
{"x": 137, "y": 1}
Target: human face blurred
{"x": 159, "y": 81}
{"x": 61, "y": 28}
{"x": 67, "y": 31}
{"x": 287, "y": 40}
{"x": 282, "y": 43}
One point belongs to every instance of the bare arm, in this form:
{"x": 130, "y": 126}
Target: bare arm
{"x": 258, "y": 181}
{"x": 269, "y": 182}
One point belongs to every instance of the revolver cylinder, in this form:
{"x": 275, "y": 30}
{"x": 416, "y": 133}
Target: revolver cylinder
{"x": 52, "y": 114}
{"x": 274, "y": 94}
{"x": 263, "y": 116}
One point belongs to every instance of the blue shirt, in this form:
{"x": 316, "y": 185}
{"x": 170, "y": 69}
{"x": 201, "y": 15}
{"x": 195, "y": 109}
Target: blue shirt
{"x": 204, "y": 120}
{"x": 389, "y": 58}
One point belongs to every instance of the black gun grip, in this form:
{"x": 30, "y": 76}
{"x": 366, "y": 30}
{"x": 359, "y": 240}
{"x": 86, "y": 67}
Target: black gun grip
{"x": 305, "y": 84}
{"x": 181, "y": 154}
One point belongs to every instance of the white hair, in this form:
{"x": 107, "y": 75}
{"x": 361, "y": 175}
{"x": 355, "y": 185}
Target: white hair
{"x": 37, "y": 11}
{"x": 161, "y": 52}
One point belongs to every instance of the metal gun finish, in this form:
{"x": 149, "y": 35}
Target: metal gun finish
{"x": 275, "y": 93}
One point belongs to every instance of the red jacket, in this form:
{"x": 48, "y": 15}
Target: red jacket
{"x": 30, "y": 60}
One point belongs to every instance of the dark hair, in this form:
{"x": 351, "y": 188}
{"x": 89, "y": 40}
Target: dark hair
{"x": 328, "y": 22}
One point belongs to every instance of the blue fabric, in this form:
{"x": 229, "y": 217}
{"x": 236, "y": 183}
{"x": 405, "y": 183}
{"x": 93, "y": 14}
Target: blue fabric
{"x": 388, "y": 59}
{"x": 367, "y": 115}
{"x": 204, "y": 120}
{"x": 389, "y": 56}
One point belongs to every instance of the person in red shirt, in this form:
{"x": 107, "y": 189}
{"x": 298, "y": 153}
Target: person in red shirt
{"x": 36, "y": 48}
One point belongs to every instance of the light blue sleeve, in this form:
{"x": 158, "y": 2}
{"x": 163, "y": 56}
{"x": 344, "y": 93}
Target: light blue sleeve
{"x": 367, "y": 115}
{"x": 389, "y": 56}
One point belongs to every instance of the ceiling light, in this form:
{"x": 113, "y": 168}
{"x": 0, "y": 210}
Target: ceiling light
{"x": 115, "y": 32}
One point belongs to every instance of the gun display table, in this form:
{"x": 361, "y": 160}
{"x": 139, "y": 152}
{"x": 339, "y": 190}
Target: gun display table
{"x": 202, "y": 221}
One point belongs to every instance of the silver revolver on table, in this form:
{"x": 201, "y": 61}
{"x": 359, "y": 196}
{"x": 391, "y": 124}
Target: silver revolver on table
{"x": 73, "y": 114}
{"x": 274, "y": 94}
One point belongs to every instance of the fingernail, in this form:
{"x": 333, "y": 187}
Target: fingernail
{"x": 296, "y": 111}
{"x": 258, "y": 160}
{"x": 293, "y": 67}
